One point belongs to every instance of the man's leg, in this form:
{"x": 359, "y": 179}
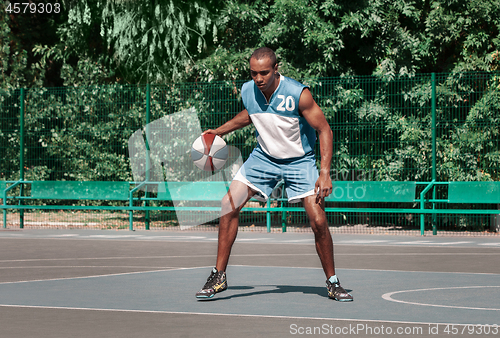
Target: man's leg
{"x": 322, "y": 237}
{"x": 324, "y": 247}
{"x": 238, "y": 194}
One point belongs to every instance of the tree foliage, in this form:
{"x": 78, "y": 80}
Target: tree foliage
{"x": 132, "y": 41}
{"x": 111, "y": 41}
{"x": 18, "y": 34}
{"x": 381, "y": 37}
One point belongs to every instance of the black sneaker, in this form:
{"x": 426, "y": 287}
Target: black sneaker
{"x": 216, "y": 282}
{"x": 337, "y": 292}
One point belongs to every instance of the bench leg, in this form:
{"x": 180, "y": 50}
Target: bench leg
{"x": 268, "y": 215}
{"x": 147, "y": 220}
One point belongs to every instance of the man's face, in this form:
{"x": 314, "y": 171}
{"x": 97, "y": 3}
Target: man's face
{"x": 263, "y": 73}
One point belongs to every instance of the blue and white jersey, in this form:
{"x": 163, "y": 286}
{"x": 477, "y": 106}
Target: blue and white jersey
{"x": 281, "y": 131}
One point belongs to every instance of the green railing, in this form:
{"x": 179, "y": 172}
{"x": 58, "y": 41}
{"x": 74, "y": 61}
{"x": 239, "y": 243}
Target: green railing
{"x": 428, "y": 127}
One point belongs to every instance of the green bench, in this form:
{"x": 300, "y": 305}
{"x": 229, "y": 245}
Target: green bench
{"x": 213, "y": 191}
{"x": 368, "y": 191}
{"x": 405, "y": 192}
{"x": 343, "y": 191}
{"x": 86, "y": 190}
{"x": 460, "y": 193}
{"x": 474, "y": 192}
{"x": 359, "y": 191}
{"x": 192, "y": 191}
{"x": 66, "y": 190}
{"x": 121, "y": 191}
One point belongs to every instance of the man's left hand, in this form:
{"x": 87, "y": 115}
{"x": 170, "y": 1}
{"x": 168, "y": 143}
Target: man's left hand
{"x": 323, "y": 187}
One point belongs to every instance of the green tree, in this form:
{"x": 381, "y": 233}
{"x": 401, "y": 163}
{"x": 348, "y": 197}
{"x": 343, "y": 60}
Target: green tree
{"x": 132, "y": 41}
{"x": 18, "y": 34}
{"x": 331, "y": 38}
{"x": 464, "y": 34}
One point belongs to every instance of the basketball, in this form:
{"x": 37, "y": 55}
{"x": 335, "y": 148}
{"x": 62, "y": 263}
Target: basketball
{"x": 209, "y": 152}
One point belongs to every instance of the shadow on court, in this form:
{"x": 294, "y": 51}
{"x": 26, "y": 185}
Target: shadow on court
{"x": 275, "y": 289}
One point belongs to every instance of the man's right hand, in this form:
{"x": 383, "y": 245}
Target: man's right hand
{"x": 210, "y": 131}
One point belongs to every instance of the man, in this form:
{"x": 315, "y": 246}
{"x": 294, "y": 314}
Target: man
{"x": 286, "y": 119}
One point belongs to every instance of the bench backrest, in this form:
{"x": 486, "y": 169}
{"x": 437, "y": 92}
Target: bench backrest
{"x": 343, "y": 191}
{"x": 193, "y": 191}
{"x": 3, "y": 185}
{"x": 474, "y": 192}
{"x": 370, "y": 191}
{"x": 86, "y": 190}
{"x": 358, "y": 191}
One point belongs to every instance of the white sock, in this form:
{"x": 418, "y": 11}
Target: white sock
{"x": 333, "y": 279}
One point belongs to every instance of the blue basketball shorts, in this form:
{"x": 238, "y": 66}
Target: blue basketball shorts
{"x": 262, "y": 173}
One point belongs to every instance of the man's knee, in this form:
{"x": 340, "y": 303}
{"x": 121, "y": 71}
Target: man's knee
{"x": 235, "y": 198}
{"x": 319, "y": 224}
{"x": 227, "y": 205}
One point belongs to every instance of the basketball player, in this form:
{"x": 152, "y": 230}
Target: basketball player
{"x": 286, "y": 119}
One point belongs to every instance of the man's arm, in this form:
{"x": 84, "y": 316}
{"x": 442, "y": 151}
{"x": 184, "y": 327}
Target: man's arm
{"x": 316, "y": 119}
{"x": 239, "y": 121}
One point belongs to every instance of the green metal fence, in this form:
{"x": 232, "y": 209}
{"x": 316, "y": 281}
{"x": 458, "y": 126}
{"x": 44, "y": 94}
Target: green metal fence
{"x": 444, "y": 127}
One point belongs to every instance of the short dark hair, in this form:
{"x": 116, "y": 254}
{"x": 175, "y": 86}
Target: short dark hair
{"x": 264, "y": 52}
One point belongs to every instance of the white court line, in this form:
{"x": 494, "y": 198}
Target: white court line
{"x": 418, "y": 243}
{"x": 297, "y": 241}
{"x": 267, "y": 241}
{"x": 360, "y": 241}
{"x": 226, "y": 314}
{"x": 174, "y": 237}
{"x": 423, "y": 271}
{"x": 114, "y": 236}
{"x": 420, "y": 254}
{"x": 388, "y": 296}
{"x": 167, "y": 269}
{"x": 85, "y": 266}
{"x": 452, "y": 243}
{"x": 67, "y": 235}
{"x": 271, "y": 266}
{"x": 164, "y": 269}
{"x": 154, "y": 257}
{"x": 253, "y": 255}
{"x": 94, "y": 258}
{"x": 371, "y": 270}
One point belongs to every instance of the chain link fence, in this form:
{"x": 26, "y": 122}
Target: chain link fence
{"x": 428, "y": 126}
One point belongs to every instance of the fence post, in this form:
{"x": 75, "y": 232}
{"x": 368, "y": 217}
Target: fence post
{"x": 21, "y": 157}
{"x": 148, "y": 158}
{"x": 434, "y": 152}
